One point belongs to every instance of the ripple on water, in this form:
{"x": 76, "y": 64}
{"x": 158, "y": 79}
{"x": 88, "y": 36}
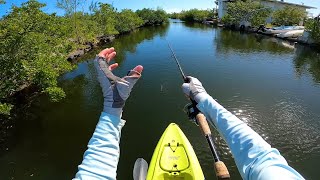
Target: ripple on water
{"x": 296, "y": 130}
{"x": 245, "y": 109}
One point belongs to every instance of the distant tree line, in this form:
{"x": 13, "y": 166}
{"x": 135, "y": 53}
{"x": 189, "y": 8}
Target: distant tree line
{"x": 34, "y": 44}
{"x": 194, "y": 15}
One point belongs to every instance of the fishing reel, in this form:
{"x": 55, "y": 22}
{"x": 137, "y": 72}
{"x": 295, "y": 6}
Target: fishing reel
{"x": 192, "y": 112}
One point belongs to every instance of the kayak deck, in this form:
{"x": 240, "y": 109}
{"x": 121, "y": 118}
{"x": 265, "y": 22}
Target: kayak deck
{"x": 174, "y": 157}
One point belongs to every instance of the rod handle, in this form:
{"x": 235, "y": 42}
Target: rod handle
{"x": 203, "y": 123}
{"x": 221, "y": 170}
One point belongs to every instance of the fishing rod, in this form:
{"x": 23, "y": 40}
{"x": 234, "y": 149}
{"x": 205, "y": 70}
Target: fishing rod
{"x": 194, "y": 113}
{"x": 176, "y": 59}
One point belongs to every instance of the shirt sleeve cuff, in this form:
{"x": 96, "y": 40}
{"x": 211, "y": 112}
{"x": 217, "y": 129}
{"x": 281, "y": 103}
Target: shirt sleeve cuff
{"x": 115, "y": 120}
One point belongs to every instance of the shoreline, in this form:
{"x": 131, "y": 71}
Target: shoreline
{"x": 73, "y": 57}
{"x": 302, "y": 40}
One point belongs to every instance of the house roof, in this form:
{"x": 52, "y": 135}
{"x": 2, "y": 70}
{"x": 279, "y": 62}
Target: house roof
{"x": 291, "y": 4}
{"x": 282, "y": 2}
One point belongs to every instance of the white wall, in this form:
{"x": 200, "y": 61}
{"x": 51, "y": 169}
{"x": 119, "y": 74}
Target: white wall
{"x": 222, "y": 8}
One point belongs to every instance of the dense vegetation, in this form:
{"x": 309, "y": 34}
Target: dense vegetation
{"x": 193, "y": 15}
{"x": 151, "y": 17}
{"x": 313, "y": 26}
{"x": 256, "y": 14}
{"x": 246, "y": 11}
{"x": 288, "y": 16}
{"x": 34, "y": 44}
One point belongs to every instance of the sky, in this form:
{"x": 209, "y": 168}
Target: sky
{"x": 167, "y": 5}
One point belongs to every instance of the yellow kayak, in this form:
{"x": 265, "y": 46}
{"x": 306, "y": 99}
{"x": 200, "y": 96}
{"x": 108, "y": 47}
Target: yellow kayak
{"x": 174, "y": 158}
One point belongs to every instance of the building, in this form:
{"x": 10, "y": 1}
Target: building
{"x": 273, "y": 4}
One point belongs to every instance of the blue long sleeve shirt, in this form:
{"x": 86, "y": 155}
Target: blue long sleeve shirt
{"x": 254, "y": 157}
{"x": 100, "y": 160}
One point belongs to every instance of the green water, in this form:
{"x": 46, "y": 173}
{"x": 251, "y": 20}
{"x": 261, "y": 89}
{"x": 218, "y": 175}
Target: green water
{"x": 270, "y": 84}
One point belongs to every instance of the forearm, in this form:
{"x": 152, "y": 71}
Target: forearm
{"x": 254, "y": 157}
{"x": 101, "y": 158}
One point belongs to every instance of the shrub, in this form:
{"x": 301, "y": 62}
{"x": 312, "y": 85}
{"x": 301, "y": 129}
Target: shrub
{"x": 151, "y": 17}
{"x": 249, "y": 11}
{"x": 5, "y": 108}
{"x": 313, "y": 25}
{"x": 288, "y": 16}
{"x": 127, "y": 20}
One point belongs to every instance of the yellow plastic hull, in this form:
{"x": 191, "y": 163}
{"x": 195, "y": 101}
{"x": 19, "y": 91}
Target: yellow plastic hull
{"x": 174, "y": 158}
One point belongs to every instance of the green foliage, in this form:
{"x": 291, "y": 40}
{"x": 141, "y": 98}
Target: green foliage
{"x": 313, "y": 26}
{"x": 5, "y": 108}
{"x": 288, "y": 16}
{"x": 105, "y": 15}
{"x": 175, "y": 15}
{"x": 151, "y": 17}
{"x": 227, "y": 19}
{"x": 193, "y": 15}
{"x": 246, "y": 11}
{"x": 260, "y": 16}
{"x": 196, "y": 15}
{"x": 75, "y": 18}
{"x": 2, "y": 1}
{"x": 127, "y": 21}
{"x": 55, "y": 93}
{"x": 32, "y": 49}
{"x": 69, "y": 6}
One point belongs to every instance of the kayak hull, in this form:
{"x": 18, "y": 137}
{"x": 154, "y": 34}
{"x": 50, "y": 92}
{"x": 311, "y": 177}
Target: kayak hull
{"x": 174, "y": 158}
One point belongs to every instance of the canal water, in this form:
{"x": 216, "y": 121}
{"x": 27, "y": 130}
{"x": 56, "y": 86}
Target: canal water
{"x": 272, "y": 85}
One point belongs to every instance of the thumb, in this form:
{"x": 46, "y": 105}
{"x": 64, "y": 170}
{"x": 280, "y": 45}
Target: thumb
{"x": 124, "y": 88}
{"x": 186, "y": 88}
{"x": 136, "y": 72}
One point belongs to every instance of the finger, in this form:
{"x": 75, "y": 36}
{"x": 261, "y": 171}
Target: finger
{"x": 113, "y": 66}
{"x": 136, "y": 72}
{"x": 105, "y": 52}
{"x": 111, "y": 56}
{"x": 138, "y": 68}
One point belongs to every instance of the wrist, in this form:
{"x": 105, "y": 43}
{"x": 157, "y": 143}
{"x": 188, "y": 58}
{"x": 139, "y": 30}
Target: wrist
{"x": 200, "y": 97}
{"x": 113, "y": 111}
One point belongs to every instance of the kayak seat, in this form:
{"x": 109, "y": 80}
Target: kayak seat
{"x": 174, "y": 158}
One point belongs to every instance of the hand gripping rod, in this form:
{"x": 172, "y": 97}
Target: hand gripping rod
{"x": 220, "y": 168}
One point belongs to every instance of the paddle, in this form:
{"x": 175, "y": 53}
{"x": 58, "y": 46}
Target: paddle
{"x": 220, "y": 168}
{"x": 140, "y": 169}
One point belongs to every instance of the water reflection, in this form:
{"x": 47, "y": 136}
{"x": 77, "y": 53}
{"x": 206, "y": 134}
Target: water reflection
{"x": 198, "y": 26}
{"x": 307, "y": 61}
{"x": 128, "y": 43}
{"x": 228, "y": 41}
